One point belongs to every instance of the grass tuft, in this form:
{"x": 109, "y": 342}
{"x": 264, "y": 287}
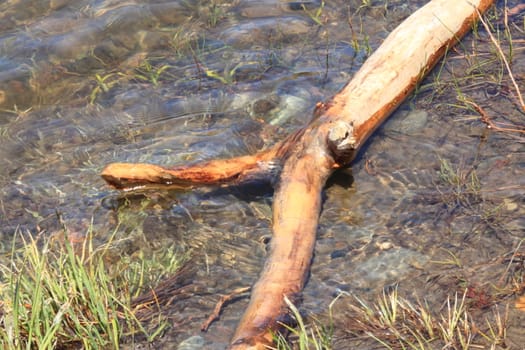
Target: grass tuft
{"x": 397, "y": 323}
{"x": 56, "y": 295}
{"x": 307, "y": 337}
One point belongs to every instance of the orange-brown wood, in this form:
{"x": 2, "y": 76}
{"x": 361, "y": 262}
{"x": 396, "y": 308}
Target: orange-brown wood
{"x": 344, "y": 124}
{"x": 296, "y": 207}
{"x": 130, "y": 176}
{"x": 310, "y": 155}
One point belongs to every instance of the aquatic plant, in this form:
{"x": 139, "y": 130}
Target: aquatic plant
{"x": 463, "y": 185}
{"x": 150, "y": 73}
{"x": 316, "y": 15}
{"x": 104, "y": 83}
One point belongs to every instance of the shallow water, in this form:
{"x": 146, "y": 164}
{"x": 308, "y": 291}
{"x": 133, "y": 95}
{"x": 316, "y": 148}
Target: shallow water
{"x": 84, "y": 83}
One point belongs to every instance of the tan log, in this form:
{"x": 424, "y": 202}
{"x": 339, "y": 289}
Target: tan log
{"x": 309, "y": 156}
{"x": 345, "y": 122}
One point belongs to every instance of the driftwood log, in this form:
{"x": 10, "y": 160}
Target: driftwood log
{"x": 309, "y": 156}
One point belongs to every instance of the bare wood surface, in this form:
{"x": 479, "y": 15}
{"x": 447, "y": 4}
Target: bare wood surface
{"x": 345, "y": 122}
{"x": 309, "y": 156}
{"x": 405, "y": 57}
{"x": 129, "y": 176}
{"x": 296, "y": 207}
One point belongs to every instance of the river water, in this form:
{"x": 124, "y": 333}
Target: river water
{"x": 84, "y": 83}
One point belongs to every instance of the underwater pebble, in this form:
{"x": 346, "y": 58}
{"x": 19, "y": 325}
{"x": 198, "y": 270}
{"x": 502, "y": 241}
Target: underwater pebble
{"x": 389, "y": 265}
{"x": 262, "y": 106}
{"x": 408, "y": 122}
{"x": 57, "y": 4}
{"x": 243, "y": 100}
{"x": 291, "y": 106}
{"x": 15, "y": 87}
{"x": 303, "y": 5}
{"x": 75, "y": 44}
{"x": 170, "y": 13}
{"x": 275, "y": 8}
{"x": 384, "y": 245}
{"x": 341, "y": 253}
{"x": 510, "y": 205}
{"x": 192, "y": 343}
{"x": 245, "y": 34}
{"x": 258, "y": 9}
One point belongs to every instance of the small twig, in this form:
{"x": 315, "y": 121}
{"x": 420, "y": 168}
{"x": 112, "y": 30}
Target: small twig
{"x": 500, "y": 51}
{"x": 515, "y": 254}
{"x": 486, "y": 119}
{"x": 218, "y": 307}
{"x": 516, "y": 10}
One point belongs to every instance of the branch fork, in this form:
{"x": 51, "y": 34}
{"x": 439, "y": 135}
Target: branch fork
{"x": 310, "y": 155}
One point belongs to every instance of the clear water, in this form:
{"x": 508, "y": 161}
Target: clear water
{"x": 84, "y": 83}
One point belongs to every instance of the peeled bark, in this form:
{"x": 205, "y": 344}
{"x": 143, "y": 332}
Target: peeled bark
{"x": 129, "y": 176}
{"x": 309, "y": 156}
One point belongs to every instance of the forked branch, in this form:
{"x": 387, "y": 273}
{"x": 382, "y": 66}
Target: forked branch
{"x": 309, "y": 156}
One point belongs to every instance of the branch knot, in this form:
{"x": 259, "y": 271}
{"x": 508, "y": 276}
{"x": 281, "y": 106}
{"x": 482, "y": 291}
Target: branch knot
{"x": 342, "y": 141}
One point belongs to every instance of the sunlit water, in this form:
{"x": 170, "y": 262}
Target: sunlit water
{"x": 84, "y": 83}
